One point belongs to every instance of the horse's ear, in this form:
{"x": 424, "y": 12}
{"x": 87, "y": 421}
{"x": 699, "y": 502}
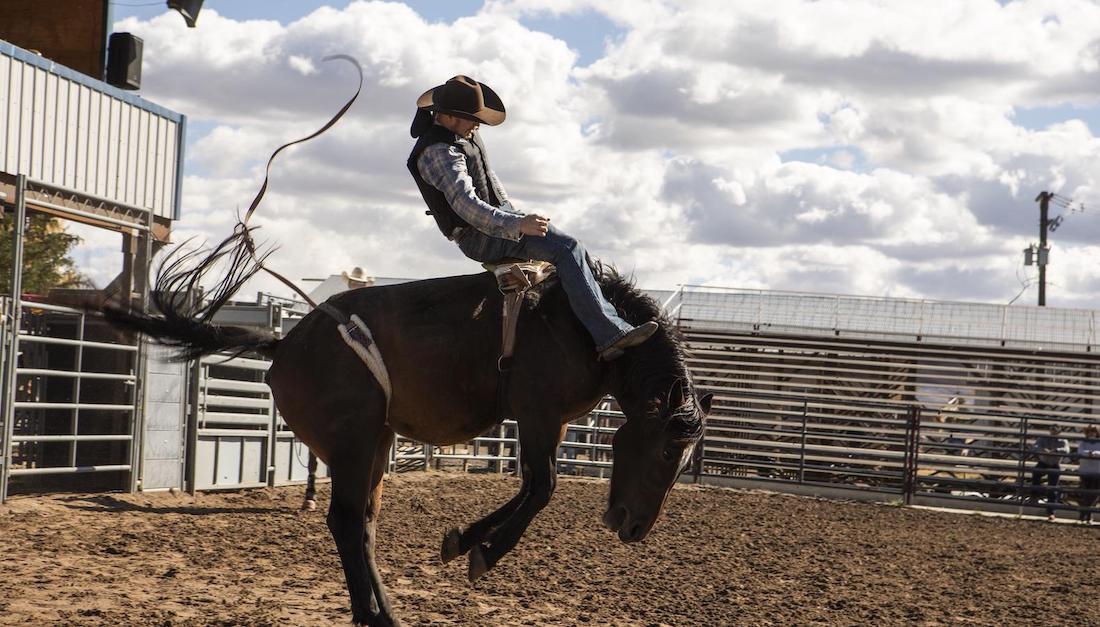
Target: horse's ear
{"x": 704, "y": 403}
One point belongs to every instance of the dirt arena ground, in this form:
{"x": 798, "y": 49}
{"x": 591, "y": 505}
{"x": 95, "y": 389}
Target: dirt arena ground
{"x": 718, "y": 557}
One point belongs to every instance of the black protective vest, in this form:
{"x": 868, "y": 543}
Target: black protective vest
{"x": 477, "y": 164}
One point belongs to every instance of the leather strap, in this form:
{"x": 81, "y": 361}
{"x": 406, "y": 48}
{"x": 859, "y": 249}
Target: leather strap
{"x": 243, "y": 225}
{"x": 513, "y": 302}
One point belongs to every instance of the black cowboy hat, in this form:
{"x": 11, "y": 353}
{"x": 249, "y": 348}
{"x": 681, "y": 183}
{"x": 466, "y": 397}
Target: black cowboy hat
{"x": 464, "y": 97}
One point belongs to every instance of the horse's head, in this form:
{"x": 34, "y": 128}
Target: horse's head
{"x": 651, "y": 451}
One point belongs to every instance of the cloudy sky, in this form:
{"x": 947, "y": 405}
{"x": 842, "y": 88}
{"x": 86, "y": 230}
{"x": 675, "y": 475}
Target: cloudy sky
{"x": 889, "y": 148}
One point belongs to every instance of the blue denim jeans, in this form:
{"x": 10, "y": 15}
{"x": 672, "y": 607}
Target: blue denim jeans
{"x": 571, "y": 260}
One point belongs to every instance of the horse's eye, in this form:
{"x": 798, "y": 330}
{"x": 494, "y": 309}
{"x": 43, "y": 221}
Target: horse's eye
{"x": 669, "y": 454}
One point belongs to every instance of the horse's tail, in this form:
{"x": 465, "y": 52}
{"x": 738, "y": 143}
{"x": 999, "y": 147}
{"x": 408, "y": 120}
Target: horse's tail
{"x": 184, "y": 322}
{"x": 193, "y": 338}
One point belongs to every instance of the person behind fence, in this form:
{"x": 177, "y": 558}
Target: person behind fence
{"x": 1050, "y": 449}
{"x": 451, "y": 169}
{"x": 1088, "y": 467}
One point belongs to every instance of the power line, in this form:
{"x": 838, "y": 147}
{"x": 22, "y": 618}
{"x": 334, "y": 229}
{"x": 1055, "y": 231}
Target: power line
{"x": 1068, "y": 203}
{"x": 1025, "y": 283}
{"x": 1021, "y": 292}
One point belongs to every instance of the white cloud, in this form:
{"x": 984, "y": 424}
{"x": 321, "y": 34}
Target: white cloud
{"x": 664, "y": 156}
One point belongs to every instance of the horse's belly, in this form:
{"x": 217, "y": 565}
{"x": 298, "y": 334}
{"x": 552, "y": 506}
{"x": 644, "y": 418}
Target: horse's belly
{"x": 440, "y": 428}
{"x": 448, "y": 405}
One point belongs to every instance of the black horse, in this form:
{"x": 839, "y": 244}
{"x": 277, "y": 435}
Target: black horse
{"x": 440, "y": 340}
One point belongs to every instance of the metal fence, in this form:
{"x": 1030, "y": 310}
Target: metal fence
{"x": 71, "y": 403}
{"x": 237, "y": 437}
{"x": 585, "y": 450}
{"x": 950, "y": 424}
{"x": 938, "y": 424}
{"x": 910, "y": 454}
{"x": 914, "y": 422}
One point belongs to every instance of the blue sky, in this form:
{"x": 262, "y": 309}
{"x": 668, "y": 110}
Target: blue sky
{"x": 584, "y": 32}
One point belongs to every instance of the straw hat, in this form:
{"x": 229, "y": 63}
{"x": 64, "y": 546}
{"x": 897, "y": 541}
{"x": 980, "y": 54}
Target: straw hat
{"x": 357, "y": 275}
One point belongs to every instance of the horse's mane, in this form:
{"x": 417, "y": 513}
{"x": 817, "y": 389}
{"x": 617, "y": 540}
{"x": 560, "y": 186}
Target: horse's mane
{"x": 637, "y": 307}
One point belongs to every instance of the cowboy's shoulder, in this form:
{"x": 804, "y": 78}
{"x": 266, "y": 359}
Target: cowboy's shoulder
{"x": 442, "y": 150}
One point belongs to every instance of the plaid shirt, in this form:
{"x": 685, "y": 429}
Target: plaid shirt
{"x": 444, "y": 167}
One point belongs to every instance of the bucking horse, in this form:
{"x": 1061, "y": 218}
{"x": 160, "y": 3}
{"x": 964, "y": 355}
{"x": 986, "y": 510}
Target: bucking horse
{"x": 432, "y": 373}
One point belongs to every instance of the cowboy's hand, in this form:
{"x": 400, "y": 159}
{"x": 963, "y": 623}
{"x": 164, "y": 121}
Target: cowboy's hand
{"x": 534, "y": 225}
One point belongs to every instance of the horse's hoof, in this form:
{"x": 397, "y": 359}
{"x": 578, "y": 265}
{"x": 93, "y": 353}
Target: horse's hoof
{"x": 309, "y": 505}
{"x": 478, "y": 567}
{"x": 451, "y": 545}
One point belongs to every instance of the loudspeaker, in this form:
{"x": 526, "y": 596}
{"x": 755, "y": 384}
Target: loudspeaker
{"x": 124, "y": 61}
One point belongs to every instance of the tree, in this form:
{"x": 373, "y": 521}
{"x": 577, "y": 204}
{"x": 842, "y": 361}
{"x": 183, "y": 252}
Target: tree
{"x": 46, "y": 260}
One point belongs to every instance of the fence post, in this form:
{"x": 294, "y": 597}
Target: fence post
{"x": 14, "y": 318}
{"x": 194, "y": 395}
{"x": 697, "y": 463}
{"x": 595, "y": 435}
{"x": 270, "y": 464}
{"x": 912, "y": 451}
{"x": 802, "y": 446}
{"x": 1021, "y": 467}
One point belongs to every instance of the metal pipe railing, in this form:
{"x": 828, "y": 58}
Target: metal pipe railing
{"x": 13, "y": 321}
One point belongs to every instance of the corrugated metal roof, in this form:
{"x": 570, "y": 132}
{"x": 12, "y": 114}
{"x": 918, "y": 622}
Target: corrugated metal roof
{"x": 897, "y": 319}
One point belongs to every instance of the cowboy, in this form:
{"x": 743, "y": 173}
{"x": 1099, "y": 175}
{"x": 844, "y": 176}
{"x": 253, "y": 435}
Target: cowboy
{"x": 471, "y": 208}
{"x": 357, "y": 278}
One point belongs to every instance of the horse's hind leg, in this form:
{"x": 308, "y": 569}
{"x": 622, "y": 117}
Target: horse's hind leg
{"x": 374, "y": 506}
{"x": 354, "y": 483}
{"x": 310, "y": 502}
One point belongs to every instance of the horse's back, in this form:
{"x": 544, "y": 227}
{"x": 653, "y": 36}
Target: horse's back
{"x": 440, "y": 339}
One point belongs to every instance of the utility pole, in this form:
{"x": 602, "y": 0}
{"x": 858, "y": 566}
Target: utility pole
{"x": 1044, "y": 208}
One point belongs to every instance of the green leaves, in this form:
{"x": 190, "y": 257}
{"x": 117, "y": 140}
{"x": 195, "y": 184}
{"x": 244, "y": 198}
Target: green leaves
{"x": 46, "y": 261}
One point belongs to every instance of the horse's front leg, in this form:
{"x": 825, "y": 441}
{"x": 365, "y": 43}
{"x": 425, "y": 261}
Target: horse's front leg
{"x": 537, "y": 459}
{"x": 459, "y": 541}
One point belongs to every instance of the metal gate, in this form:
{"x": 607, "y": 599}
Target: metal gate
{"x": 237, "y": 439}
{"x": 70, "y": 403}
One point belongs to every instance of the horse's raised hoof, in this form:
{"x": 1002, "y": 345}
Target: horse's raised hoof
{"x": 478, "y": 567}
{"x": 451, "y": 545}
{"x": 309, "y": 505}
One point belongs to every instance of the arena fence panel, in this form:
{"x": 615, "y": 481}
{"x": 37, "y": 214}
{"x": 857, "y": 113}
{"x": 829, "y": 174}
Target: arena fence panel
{"x": 70, "y": 410}
{"x": 238, "y": 439}
{"x": 585, "y": 450}
{"x": 852, "y": 394}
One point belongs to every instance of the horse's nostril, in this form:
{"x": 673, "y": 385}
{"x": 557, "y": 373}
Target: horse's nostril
{"x": 636, "y": 531}
{"x": 614, "y": 517}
